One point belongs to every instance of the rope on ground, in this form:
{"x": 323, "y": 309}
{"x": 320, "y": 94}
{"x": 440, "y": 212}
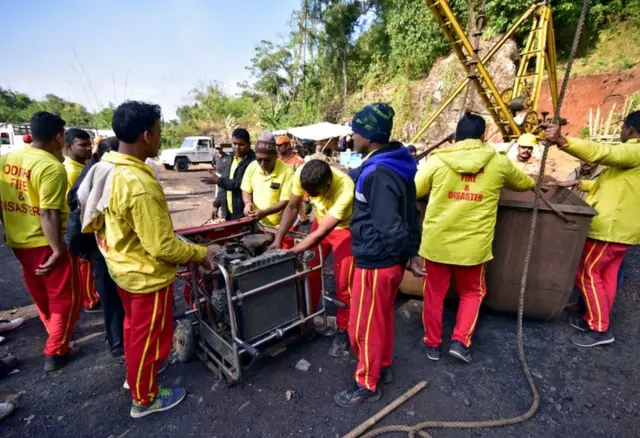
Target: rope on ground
{"x": 419, "y": 429}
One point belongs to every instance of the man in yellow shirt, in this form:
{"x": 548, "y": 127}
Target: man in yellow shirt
{"x": 231, "y": 178}
{"x": 266, "y": 184}
{"x": 331, "y": 194}
{"x": 34, "y": 214}
{"x": 463, "y": 184}
{"x": 616, "y": 196}
{"x": 78, "y": 152}
{"x": 135, "y": 235}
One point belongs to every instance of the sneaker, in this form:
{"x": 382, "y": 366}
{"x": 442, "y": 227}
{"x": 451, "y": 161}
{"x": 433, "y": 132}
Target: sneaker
{"x": 386, "y": 375}
{"x": 5, "y": 410}
{"x": 162, "y": 369}
{"x": 579, "y": 324}
{"x": 95, "y": 309}
{"x": 433, "y": 353}
{"x": 54, "y": 363}
{"x": 356, "y": 395}
{"x": 460, "y": 352}
{"x": 340, "y": 344}
{"x": 166, "y": 399}
{"x": 593, "y": 339}
{"x": 6, "y": 325}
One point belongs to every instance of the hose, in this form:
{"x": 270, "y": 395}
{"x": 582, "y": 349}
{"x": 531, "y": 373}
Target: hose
{"x": 420, "y": 428}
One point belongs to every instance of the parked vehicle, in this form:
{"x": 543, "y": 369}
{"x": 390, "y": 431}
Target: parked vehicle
{"x": 11, "y": 137}
{"x": 194, "y": 150}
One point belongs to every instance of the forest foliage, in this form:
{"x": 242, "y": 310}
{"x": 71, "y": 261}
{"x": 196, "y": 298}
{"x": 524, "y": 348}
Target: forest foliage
{"x": 335, "y": 48}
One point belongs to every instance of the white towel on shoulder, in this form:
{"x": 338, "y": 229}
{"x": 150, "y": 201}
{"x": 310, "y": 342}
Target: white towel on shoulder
{"x": 94, "y": 192}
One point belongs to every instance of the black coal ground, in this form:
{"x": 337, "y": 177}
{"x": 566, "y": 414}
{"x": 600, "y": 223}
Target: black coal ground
{"x": 583, "y": 393}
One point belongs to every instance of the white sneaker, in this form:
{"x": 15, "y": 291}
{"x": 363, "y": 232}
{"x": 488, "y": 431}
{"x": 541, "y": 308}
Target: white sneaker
{"x": 5, "y": 410}
{"x": 126, "y": 386}
{"x": 6, "y": 325}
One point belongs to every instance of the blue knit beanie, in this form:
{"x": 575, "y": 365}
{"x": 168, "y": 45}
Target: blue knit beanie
{"x": 374, "y": 122}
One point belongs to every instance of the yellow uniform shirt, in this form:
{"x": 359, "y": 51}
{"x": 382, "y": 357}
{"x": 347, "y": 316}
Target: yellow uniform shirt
{"x": 74, "y": 169}
{"x": 337, "y": 202}
{"x": 615, "y": 195}
{"x": 234, "y": 165}
{"x": 268, "y": 190}
{"x": 32, "y": 179}
{"x": 135, "y": 235}
{"x": 464, "y": 184}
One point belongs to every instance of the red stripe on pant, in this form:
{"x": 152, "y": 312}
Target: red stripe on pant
{"x": 56, "y": 295}
{"x": 89, "y": 293}
{"x": 148, "y": 334}
{"x": 471, "y": 286}
{"x": 371, "y": 321}
{"x": 597, "y": 279}
{"x": 338, "y": 241}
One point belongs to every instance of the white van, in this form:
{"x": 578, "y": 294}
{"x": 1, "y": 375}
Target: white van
{"x": 11, "y": 137}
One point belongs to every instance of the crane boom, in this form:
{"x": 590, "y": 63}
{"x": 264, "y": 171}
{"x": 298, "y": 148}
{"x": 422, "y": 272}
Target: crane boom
{"x": 537, "y": 57}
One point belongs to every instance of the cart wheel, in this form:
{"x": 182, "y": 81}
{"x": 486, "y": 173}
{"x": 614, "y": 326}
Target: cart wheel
{"x": 184, "y": 342}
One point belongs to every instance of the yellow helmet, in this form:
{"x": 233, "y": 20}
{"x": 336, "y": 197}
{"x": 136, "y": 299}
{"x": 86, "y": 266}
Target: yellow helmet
{"x": 528, "y": 140}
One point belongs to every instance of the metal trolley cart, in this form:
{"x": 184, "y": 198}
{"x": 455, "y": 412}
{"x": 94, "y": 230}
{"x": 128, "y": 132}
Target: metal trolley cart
{"x": 251, "y": 302}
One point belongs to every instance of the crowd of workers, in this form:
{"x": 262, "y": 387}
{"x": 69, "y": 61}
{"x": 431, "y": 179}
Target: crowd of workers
{"x": 103, "y": 210}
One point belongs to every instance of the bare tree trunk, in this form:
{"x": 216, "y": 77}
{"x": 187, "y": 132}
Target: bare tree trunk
{"x": 345, "y": 79}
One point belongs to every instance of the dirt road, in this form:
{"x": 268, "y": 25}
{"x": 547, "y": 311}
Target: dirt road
{"x": 584, "y": 393}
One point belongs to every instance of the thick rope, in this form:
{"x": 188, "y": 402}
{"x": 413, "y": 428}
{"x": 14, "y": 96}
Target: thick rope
{"x": 420, "y": 428}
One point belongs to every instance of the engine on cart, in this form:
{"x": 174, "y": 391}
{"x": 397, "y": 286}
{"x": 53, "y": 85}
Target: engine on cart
{"x": 250, "y": 298}
{"x": 229, "y": 255}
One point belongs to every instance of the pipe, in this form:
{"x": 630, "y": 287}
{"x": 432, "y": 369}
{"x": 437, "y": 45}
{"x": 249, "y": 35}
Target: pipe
{"x": 240, "y": 296}
{"x": 430, "y": 149}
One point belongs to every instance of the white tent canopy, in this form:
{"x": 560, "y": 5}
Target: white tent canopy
{"x": 317, "y": 132}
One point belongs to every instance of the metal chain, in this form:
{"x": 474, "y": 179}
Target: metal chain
{"x": 420, "y": 428}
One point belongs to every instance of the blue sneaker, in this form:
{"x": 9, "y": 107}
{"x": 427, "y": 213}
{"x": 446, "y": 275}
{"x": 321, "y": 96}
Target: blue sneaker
{"x": 166, "y": 399}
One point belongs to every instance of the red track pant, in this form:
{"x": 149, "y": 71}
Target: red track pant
{"x": 338, "y": 241}
{"x": 148, "y": 334}
{"x": 471, "y": 286}
{"x": 56, "y": 294}
{"x": 597, "y": 279}
{"x": 371, "y": 321}
{"x": 89, "y": 293}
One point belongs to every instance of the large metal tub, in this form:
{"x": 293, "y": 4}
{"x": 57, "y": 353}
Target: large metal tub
{"x": 556, "y": 254}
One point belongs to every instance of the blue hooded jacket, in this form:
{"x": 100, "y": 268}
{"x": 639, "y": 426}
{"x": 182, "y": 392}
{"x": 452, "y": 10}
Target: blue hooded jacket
{"x": 385, "y": 229}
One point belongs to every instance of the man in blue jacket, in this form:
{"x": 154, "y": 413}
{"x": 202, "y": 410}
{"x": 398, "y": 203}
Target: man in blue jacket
{"x": 385, "y": 236}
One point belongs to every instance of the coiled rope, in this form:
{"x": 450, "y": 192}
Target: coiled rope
{"x": 420, "y": 428}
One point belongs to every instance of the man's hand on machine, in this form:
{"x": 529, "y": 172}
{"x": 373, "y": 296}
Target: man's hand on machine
{"x": 277, "y": 244}
{"x": 208, "y": 260}
{"x": 416, "y": 266}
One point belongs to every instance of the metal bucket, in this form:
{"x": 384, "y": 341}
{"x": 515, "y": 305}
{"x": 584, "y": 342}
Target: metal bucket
{"x": 554, "y": 260}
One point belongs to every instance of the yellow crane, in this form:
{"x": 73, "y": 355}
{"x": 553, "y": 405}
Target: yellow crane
{"x": 536, "y": 58}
